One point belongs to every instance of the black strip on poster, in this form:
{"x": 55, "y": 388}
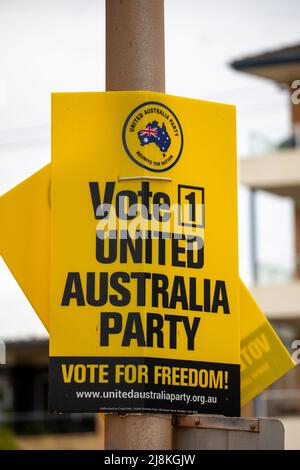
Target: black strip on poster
{"x": 112, "y": 384}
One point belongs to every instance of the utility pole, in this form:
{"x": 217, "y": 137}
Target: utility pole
{"x": 135, "y": 45}
{"x": 135, "y": 60}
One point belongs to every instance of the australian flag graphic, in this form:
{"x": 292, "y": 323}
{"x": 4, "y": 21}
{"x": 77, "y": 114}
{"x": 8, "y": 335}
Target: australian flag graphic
{"x": 155, "y": 134}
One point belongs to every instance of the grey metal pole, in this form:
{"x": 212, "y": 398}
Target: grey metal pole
{"x": 135, "y": 60}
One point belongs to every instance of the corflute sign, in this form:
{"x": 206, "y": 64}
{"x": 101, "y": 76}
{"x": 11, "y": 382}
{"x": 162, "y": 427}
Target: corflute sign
{"x": 144, "y": 311}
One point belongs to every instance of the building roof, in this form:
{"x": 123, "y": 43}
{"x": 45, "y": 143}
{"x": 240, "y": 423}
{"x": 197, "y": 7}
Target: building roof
{"x": 30, "y": 343}
{"x": 30, "y": 352}
{"x": 281, "y": 65}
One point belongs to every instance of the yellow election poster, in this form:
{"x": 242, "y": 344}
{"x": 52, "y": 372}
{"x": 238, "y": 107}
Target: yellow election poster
{"x": 25, "y": 239}
{"x": 263, "y": 357}
{"x": 25, "y": 247}
{"x": 144, "y": 304}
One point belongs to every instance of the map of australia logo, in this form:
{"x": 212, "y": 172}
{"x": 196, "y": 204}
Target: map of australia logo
{"x": 152, "y": 137}
{"x": 156, "y": 135}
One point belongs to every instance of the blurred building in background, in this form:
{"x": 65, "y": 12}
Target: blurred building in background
{"x": 24, "y": 404}
{"x": 278, "y": 172}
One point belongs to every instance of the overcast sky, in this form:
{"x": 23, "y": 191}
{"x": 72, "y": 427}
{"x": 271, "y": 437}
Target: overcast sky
{"x": 58, "y": 45}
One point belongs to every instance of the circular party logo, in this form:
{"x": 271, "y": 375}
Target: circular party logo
{"x": 152, "y": 137}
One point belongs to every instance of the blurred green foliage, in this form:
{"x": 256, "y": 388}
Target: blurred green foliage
{"x": 7, "y": 439}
